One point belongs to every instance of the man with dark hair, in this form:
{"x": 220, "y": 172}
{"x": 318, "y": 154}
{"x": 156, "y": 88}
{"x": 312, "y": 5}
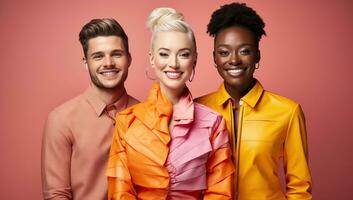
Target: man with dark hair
{"x": 78, "y": 134}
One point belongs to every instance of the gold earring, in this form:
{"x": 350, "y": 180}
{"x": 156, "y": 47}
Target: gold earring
{"x": 192, "y": 75}
{"x": 257, "y": 66}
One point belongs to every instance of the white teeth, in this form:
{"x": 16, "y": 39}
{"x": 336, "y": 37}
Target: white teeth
{"x": 235, "y": 72}
{"x": 173, "y": 75}
{"x": 110, "y": 73}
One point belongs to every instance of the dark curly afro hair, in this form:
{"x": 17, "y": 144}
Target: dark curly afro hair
{"x": 236, "y": 14}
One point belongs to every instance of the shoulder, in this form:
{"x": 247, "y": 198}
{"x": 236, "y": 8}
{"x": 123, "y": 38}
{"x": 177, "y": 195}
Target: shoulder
{"x": 64, "y": 112}
{"x": 278, "y": 100}
{"x": 201, "y": 108}
{"x": 126, "y": 117}
{"x": 209, "y": 100}
{"x": 206, "y": 99}
{"x": 205, "y": 113}
{"x": 280, "y": 105}
{"x": 58, "y": 122}
{"x": 132, "y": 101}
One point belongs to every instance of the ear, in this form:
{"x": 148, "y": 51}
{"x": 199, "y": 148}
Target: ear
{"x": 84, "y": 60}
{"x": 151, "y": 59}
{"x": 129, "y": 59}
{"x": 214, "y": 57}
{"x": 195, "y": 61}
{"x": 258, "y": 56}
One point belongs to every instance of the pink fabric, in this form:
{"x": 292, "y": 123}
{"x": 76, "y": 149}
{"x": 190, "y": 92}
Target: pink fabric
{"x": 190, "y": 147}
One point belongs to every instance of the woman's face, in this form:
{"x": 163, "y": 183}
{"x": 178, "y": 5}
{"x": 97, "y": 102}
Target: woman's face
{"x": 173, "y": 58}
{"x": 236, "y": 54}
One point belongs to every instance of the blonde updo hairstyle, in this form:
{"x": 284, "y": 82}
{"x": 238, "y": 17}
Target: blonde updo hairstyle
{"x": 165, "y": 20}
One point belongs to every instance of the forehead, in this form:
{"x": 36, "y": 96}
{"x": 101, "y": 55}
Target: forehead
{"x": 235, "y": 36}
{"x": 172, "y": 40}
{"x": 105, "y": 43}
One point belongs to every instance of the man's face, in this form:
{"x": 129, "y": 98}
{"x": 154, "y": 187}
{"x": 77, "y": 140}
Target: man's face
{"x": 107, "y": 62}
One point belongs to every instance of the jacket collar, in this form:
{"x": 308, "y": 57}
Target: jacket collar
{"x": 157, "y": 111}
{"x": 254, "y": 95}
{"x": 251, "y": 98}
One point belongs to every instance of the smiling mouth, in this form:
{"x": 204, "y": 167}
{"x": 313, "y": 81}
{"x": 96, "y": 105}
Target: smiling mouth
{"x": 173, "y": 74}
{"x": 109, "y": 73}
{"x": 235, "y": 72}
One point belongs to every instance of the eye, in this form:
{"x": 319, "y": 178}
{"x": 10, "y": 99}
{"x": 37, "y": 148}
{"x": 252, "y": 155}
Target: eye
{"x": 97, "y": 57}
{"x": 117, "y": 54}
{"x": 163, "y": 54}
{"x": 245, "y": 52}
{"x": 223, "y": 53}
{"x": 185, "y": 55}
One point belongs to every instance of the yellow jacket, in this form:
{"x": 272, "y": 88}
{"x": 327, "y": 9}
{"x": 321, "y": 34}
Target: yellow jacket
{"x": 269, "y": 127}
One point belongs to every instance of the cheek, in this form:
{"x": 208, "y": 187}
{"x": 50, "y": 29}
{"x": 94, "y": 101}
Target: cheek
{"x": 220, "y": 60}
{"x": 187, "y": 66}
{"x": 93, "y": 65}
{"x": 159, "y": 64}
{"x": 122, "y": 62}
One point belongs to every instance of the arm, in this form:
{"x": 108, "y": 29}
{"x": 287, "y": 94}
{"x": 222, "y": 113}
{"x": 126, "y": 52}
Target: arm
{"x": 297, "y": 172}
{"x": 56, "y": 159}
{"x": 220, "y": 168}
{"x": 119, "y": 180}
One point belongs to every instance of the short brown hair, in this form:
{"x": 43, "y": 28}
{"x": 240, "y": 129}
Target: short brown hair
{"x": 102, "y": 27}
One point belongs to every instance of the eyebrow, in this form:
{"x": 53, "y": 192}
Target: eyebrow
{"x": 96, "y": 53}
{"x": 227, "y": 45}
{"x": 114, "y": 51}
{"x": 165, "y": 49}
{"x": 118, "y": 51}
{"x": 183, "y": 49}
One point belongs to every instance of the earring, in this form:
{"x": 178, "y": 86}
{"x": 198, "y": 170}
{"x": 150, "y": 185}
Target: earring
{"x": 257, "y": 66}
{"x": 192, "y": 75}
{"x": 147, "y": 75}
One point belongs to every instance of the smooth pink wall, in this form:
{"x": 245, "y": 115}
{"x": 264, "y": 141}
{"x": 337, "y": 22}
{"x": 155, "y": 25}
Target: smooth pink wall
{"x": 306, "y": 56}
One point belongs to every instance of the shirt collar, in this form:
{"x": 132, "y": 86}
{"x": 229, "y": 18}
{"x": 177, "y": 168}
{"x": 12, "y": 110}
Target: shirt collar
{"x": 251, "y": 98}
{"x": 99, "y": 106}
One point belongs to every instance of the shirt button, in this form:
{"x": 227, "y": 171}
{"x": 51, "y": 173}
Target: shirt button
{"x": 241, "y": 102}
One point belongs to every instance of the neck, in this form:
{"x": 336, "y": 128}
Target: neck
{"x": 172, "y": 94}
{"x": 238, "y": 92}
{"x": 109, "y": 95}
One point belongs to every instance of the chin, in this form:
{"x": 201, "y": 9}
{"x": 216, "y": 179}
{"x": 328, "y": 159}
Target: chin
{"x": 174, "y": 86}
{"x": 235, "y": 83}
{"x": 112, "y": 85}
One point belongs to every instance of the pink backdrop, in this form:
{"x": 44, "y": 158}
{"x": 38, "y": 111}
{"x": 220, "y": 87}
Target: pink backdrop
{"x": 307, "y": 56}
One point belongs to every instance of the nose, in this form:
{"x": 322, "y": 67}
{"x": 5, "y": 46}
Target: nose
{"x": 173, "y": 62}
{"x": 109, "y": 61}
{"x": 234, "y": 59}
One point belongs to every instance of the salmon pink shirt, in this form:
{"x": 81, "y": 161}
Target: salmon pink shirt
{"x": 75, "y": 147}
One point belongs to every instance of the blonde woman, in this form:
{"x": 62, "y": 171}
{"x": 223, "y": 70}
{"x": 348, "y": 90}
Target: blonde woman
{"x": 169, "y": 147}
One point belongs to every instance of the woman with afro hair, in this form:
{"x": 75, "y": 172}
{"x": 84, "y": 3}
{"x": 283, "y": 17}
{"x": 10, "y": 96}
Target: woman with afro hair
{"x": 263, "y": 126}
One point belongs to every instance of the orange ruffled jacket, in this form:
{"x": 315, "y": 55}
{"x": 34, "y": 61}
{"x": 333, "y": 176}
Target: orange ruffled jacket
{"x": 148, "y": 162}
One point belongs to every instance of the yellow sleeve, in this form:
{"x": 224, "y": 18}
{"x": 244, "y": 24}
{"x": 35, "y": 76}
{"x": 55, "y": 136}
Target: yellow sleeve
{"x": 298, "y": 179}
{"x": 120, "y": 185}
{"x": 220, "y": 167}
